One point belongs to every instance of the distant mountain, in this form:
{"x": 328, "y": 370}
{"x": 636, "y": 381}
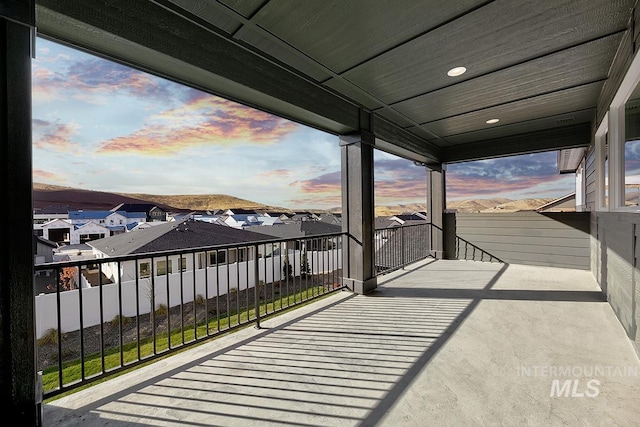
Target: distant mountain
{"x": 45, "y": 195}
{"x": 204, "y": 202}
{"x": 518, "y": 205}
{"x": 497, "y": 204}
{"x": 476, "y": 205}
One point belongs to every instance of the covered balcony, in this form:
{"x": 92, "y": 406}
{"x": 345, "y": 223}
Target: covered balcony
{"x": 441, "y": 340}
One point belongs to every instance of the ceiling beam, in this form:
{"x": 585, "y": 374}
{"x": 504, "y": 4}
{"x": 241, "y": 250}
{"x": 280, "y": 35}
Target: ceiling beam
{"x": 534, "y": 142}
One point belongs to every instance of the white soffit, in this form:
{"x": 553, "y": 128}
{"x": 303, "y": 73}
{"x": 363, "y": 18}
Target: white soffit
{"x": 568, "y": 160}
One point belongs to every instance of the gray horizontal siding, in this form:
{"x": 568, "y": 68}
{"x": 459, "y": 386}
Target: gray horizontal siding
{"x": 553, "y": 239}
{"x": 590, "y": 180}
{"x": 617, "y": 249}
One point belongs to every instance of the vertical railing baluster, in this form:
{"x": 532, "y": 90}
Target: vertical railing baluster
{"x": 246, "y": 252}
{"x": 121, "y": 315}
{"x": 166, "y": 275}
{"x": 137, "y": 288}
{"x": 102, "y": 365}
{"x": 152, "y": 313}
{"x": 256, "y": 277}
{"x": 59, "y": 331}
{"x": 180, "y": 258}
{"x": 194, "y": 304}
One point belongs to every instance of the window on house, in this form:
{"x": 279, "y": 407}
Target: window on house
{"x": 144, "y": 270}
{"x": 202, "y": 261}
{"x": 632, "y": 173}
{"x": 606, "y": 173}
{"x": 631, "y": 193}
{"x": 602, "y": 166}
{"x": 183, "y": 264}
{"x": 242, "y": 254}
{"x": 163, "y": 267}
{"x": 217, "y": 257}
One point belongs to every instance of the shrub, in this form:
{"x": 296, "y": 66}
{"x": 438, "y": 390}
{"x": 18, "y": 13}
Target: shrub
{"x": 162, "y": 310}
{"x": 121, "y": 319}
{"x": 49, "y": 337}
{"x": 200, "y": 300}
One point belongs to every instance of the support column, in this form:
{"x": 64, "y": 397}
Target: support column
{"x": 358, "y": 221}
{"x": 17, "y": 327}
{"x": 436, "y": 202}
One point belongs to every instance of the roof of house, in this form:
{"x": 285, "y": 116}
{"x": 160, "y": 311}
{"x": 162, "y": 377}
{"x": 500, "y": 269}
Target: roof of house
{"x": 409, "y": 217}
{"x": 239, "y": 211}
{"x": 42, "y": 240}
{"x": 84, "y": 224}
{"x": 135, "y": 207}
{"x": 331, "y": 218}
{"x": 276, "y": 214}
{"x": 567, "y": 201}
{"x": 79, "y": 215}
{"x": 299, "y": 229}
{"x": 174, "y": 236}
{"x": 53, "y": 209}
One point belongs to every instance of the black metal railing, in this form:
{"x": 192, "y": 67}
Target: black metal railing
{"x": 470, "y": 252}
{"x": 105, "y": 315}
{"x": 397, "y": 247}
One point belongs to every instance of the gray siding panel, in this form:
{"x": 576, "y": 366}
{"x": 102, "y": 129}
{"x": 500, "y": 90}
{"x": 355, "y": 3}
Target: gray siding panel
{"x": 590, "y": 180}
{"x": 616, "y": 269}
{"x": 550, "y": 239}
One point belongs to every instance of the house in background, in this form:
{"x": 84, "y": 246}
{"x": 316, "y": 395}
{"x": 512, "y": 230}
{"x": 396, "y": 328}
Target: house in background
{"x": 186, "y": 234}
{"x": 240, "y": 211}
{"x": 117, "y": 219}
{"x": 153, "y": 212}
{"x": 277, "y": 214}
{"x": 49, "y": 213}
{"x": 400, "y": 220}
{"x": 249, "y": 220}
{"x": 58, "y": 231}
{"x": 566, "y": 203}
{"x": 43, "y": 250}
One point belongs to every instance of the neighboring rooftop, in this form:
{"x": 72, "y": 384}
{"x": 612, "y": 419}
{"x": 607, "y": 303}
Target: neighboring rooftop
{"x": 299, "y": 229}
{"x": 174, "y": 236}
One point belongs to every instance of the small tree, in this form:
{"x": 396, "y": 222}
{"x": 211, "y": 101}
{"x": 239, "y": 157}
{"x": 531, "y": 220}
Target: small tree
{"x": 304, "y": 264}
{"x": 287, "y": 268}
{"x": 68, "y": 278}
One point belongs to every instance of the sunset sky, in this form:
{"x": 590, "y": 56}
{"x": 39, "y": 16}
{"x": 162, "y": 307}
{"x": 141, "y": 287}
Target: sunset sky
{"x": 102, "y": 126}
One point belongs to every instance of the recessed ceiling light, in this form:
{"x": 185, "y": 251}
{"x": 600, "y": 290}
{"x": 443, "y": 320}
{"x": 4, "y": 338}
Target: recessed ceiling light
{"x": 492, "y": 121}
{"x": 457, "y": 71}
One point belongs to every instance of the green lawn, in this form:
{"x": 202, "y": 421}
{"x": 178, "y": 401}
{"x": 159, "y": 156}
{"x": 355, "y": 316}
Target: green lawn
{"x": 71, "y": 371}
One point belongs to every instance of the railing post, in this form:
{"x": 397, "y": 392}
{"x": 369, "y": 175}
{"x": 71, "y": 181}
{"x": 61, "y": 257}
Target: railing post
{"x": 256, "y": 272}
{"x": 402, "y": 247}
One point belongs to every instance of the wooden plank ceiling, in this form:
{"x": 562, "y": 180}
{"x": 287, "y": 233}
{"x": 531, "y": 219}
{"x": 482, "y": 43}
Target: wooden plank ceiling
{"x": 536, "y": 66}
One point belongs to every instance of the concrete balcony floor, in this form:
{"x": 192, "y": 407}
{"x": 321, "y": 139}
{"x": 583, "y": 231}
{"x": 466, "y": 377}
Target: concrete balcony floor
{"x": 440, "y": 343}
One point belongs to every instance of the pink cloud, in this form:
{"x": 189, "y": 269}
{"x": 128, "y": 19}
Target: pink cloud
{"x": 53, "y": 135}
{"x": 46, "y": 176}
{"x": 277, "y": 174}
{"x": 461, "y": 187}
{"x": 91, "y": 80}
{"x": 204, "y": 121}
{"x": 327, "y": 183}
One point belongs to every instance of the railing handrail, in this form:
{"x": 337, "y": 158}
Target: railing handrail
{"x": 252, "y": 290}
{"x": 404, "y": 226}
{"x": 155, "y": 254}
{"x": 478, "y": 248}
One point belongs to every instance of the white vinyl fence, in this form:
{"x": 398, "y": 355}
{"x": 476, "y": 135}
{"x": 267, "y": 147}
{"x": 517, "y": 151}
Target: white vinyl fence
{"x": 218, "y": 282}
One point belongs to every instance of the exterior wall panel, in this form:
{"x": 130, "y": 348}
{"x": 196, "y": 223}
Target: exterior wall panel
{"x": 616, "y": 271}
{"x": 550, "y": 239}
